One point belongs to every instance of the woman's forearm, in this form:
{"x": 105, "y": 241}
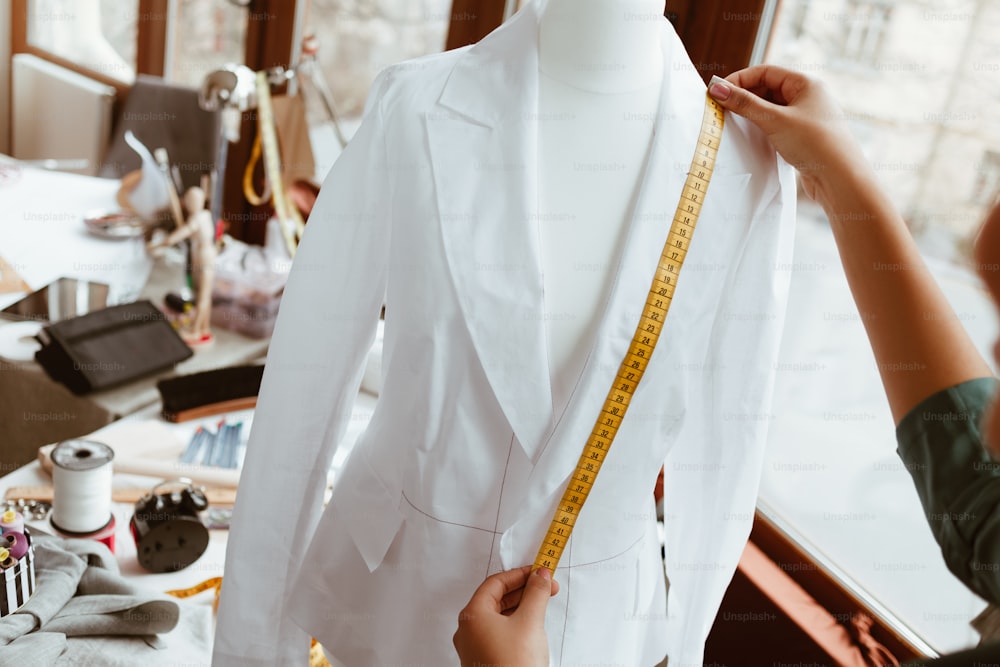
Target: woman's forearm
{"x": 919, "y": 344}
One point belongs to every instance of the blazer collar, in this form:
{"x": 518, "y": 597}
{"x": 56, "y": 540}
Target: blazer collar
{"x": 482, "y": 144}
{"x": 676, "y": 129}
{"x": 496, "y": 80}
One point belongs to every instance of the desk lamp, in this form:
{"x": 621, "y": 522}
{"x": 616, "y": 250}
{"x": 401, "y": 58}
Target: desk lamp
{"x": 231, "y": 90}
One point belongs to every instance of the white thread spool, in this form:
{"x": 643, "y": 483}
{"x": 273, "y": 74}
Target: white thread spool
{"x": 81, "y": 475}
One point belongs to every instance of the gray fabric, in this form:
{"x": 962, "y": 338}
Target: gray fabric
{"x": 39, "y": 648}
{"x": 188, "y": 645}
{"x": 79, "y": 593}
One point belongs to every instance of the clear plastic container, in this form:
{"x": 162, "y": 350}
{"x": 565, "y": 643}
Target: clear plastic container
{"x": 249, "y": 281}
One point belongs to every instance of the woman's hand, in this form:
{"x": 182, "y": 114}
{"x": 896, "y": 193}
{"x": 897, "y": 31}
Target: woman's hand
{"x": 802, "y": 120}
{"x": 504, "y": 622}
{"x": 919, "y": 343}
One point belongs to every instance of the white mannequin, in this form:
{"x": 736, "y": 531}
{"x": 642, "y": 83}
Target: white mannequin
{"x": 601, "y": 70}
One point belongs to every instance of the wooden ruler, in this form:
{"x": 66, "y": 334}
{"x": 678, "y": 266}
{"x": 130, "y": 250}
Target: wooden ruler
{"x": 216, "y": 497}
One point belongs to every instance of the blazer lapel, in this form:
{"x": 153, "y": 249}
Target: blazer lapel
{"x": 675, "y": 135}
{"x": 483, "y": 153}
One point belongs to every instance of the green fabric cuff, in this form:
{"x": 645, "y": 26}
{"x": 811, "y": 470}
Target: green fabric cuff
{"x": 941, "y": 445}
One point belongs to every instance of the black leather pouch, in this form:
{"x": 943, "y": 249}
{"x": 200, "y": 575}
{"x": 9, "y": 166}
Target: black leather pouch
{"x": 110, "y": 347}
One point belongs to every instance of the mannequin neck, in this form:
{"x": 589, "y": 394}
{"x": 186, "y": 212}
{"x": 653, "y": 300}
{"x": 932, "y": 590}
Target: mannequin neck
{"x": 602, "y": 46}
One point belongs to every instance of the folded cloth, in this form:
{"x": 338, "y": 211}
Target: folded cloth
{"x": 80, "y": 593}
{"x": 189, "y": 644}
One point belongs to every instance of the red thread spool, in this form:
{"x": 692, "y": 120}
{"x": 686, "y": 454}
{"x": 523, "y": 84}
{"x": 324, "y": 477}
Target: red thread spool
{"x": 105, "y": 535}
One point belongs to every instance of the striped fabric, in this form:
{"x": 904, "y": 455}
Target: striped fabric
{"x": 18, "y": 583}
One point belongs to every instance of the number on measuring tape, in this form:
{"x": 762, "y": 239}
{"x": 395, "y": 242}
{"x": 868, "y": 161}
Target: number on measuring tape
{"x": 647, "y": 333}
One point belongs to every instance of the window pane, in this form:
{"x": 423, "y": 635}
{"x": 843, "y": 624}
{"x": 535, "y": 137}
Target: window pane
{"x": 358, "y": 38}
{"x": 206, "y": 35}
{"x": 921, "y": 86}
{"x": 919, "y": 83}
{"x": 99, "y": 35}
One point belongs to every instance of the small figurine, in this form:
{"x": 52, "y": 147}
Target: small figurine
{"x": 200, "y": 229}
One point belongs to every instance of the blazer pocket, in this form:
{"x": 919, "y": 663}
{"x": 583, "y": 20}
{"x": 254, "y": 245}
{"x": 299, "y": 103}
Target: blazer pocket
{"x": 370, "y": 509}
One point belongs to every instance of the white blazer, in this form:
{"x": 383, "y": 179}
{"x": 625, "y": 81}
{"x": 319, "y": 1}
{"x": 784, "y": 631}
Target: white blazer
{"x": 430, "y": 209}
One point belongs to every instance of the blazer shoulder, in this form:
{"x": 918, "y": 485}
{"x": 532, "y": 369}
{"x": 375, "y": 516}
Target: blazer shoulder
{"x": 414, "y": 86}
{"x": 746, "y": 149}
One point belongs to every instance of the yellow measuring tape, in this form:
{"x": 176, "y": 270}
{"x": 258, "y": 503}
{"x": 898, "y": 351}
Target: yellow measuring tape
{"x": 289, "y": 218}
{"x": 316, "y": 655}
{"x": 647, "y": 333}
{"x": 214, "y": 582}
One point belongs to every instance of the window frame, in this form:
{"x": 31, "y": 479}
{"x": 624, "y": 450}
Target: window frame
{"x": 717, "y": 42}
{"x": 268, "y": 43}
{"x": 151, "y": 42}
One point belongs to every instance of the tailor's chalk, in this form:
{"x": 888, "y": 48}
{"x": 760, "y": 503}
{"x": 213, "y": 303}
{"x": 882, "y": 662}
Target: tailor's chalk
{"x": 241, "y": 447}
{"x": 214, "y": 448}
{"x": 16, "y": 543}
{"x": 234, "y": 441}
{"x": 219, "y": 451}
{"x": 236, "y": 454}
{"x": 227, "y": 446}
{"x": 190, "y": 454}
{"x": 12, "y": 521}
{"x": 208, "y": 449}
{"x": 227, "y": 455}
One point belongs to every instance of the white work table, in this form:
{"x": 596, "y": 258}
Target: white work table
{"x": 42, "y": 236}
{"x": 211, "y": 563}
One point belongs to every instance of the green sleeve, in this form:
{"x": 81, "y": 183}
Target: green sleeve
{"x": 941, "y": 445}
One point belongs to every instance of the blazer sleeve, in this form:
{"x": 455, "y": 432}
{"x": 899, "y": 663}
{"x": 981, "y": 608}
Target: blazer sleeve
{"x": 713, "y": 471}
{"x": 326, "y": 324}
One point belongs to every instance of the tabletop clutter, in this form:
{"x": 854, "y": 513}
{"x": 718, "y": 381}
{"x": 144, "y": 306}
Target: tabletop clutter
{"x": 225, "y": 284}
{"x": 16, "y": 563}
{"x": 228, "y": 284}
{"x": 166, "y": 525}
{"x": 68, "y": 585}
{"x": 215, "y": 282}
{"x": 71, "y": 606}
